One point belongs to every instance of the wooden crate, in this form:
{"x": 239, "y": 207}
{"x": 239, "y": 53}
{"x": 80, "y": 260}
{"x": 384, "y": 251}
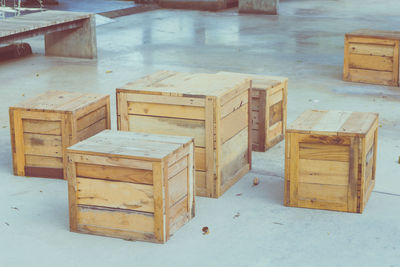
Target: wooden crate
{"x": 269, "y": 100}
{"x": 44, "y": 126}
{"x": 372, "y": 56}
{"x": 330, "y": 160}
{"x": 131, "y": 185}
{"x": 212, "y": 109}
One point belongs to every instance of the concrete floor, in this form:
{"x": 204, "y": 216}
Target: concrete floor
{"x": 304, "y": 43}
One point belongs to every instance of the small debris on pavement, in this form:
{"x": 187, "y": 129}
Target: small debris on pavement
{"x": 256, "y": 181}
{"x": 236, "y": 215}
{"x": 108, "y": 71}
{"x": 278, "y": 223}
{"x": 15, "y": 208}
{"x": 6, "y": 223}
{"x": 205, "y": 230}
{"x": 239, "y": 194}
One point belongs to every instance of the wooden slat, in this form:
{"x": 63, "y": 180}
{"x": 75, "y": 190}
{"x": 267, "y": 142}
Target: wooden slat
{"x": 200, "y": 158}
{"x": 293, "y": 168}
{"x": 178, "y": 127}
{"x": 323, "y": 152}
{"x": 396, "y": 62}
{"x": 92, "y": 129}
{"x": 352, "y": 196}
{"x": 275, "y": 113}
{"x": 110, "y": 232}
{"x": 201, "y": 183}
{"x": 371, "y": 49}
{"x": 261, "y": 139}
{"x": 42, "y": 127}
{"x": 72, "y": 190}
{"x": 91, "y": 118}
{"x": 275, "y": 98}
{"x": 169, "y": 100}
{"x": 18, "y": 142}
{"x": 112, "y": 161}
{"x": 116, "y": 219}
{"x": 371, "y": 76}
{"x": 162, "y": 110}
{"x": 111, "y": 194}
{"x": 178, "y": 187}
{"x": 177, "y": 167}
{"x": 114, "y": 173}
{"x": 359, "y": 123}
{"x": 323, "y": 172}
{"x": 324, "y": 139}
{"x": 274, "y": 131}
{"x": 369, "y": 40}
{"x": 179, "y": 215}
{"x": 122, "y": 111}
{"x": 234, "y": 104}
{"x": 159, "y": 227}
{"x": 380, "y": 63}
{"x": 235, "y": 155}
{"x": 234, "y": 123}
{"x": 42, "y": 161}
{"x": 209, "y": 162}
{"x": 323, "y": 193}
{"x": 43, "y": 145}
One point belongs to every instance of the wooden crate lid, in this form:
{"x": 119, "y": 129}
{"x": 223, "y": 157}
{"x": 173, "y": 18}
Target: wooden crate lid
{"x": 59, "y": 101}
{"x": 185, "y": 84}
{"x": 258, "y": 81}
{"x": 131, "y": 145}
{"x": 375, "y": 34}
{"x": 333, "y": 122}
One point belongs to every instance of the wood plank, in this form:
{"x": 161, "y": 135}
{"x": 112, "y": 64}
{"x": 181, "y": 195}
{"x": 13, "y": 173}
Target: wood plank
{"x": 312, "y": 204}
{"x": 160, "y": 219}
{"x": 208, "y": 165}
{"x": 396, "y": 62}
{"x": 111, "y": 161}
{"x": 323, "y": 193}
{"x": 41, "y": 127}
{"x": 111, "y": 194}
{"x": 91, "y": 118}
{"x": 124, "y": 234}
{"x": 200, "y": 183}
{"x": 323, "y": 172}
{"x": 191, "y": 179}
{"x": 256, "y": 120}
{"x": 261, "y": 139}
{"x": 170, "y": 100}
{"x": 19, "y": 143}
{"x": 218, "y": 148}
{"x": 234, "y": 123}
{"x": 42, "y": 161}
{"x": 234, "y": 104}
{"x": 286, "y": 190}
{"x": 178, "y": 187}
{"x": 200, "y": 158}
{"x": 92, "y": 129}
{"x": 371, "y": 76}
{"x": 371, "y": 49}
{"x": 293, "y": 168}
{"x": 324, "y": 152}
{"x": 274, "y": 131}
{"x": 352, "y": 191}
{"x": 55, "y": 173}
{"x": 163, "y": 110}
{"x": 177, "y": 167}
{"x": 380, "y": 63}
{"x": 179, "y": 215}
{"x": 114, "y": 173}
{"x": 178, "y": 127}
{"x": 66, "y": 126}
{"x": 72, "y": 189}
{"x": 116, "y": 219}
{"x": 359, "y": 123}
{"x": 275, "y": 113}
{"x": 275, "y": 98}
{"x": 235, "y": 178}
{"x": 324, "y": 139}
{"x": 369, "y": 40}
{"x": 122, "y": 111}
{"x": 235, "y": 155}
{"x": 345, "y": 74}
{"x": 43, "y": 145}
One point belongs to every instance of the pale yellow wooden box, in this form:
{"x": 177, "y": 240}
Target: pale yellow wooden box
{"x": 131, "y": 185}
{"x": 330, "y": 160}
{"x": 269, "y": 109}
{"x": 212, "y": 109}
{"x": 372, "y": 56}
{"x": 44, "y": 126}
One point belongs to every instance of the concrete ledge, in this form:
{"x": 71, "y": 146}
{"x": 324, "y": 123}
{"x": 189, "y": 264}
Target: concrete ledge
{"x": 194, "y": 5}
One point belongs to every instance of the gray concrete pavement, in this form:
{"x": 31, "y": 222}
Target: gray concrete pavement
{"x": 304, "y": 43}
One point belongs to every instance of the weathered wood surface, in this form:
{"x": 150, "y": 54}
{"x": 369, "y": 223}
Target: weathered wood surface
{"x": 328, "y": 169}
{"x": 128, "y": 196}
{"x": 210, "y": 108}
